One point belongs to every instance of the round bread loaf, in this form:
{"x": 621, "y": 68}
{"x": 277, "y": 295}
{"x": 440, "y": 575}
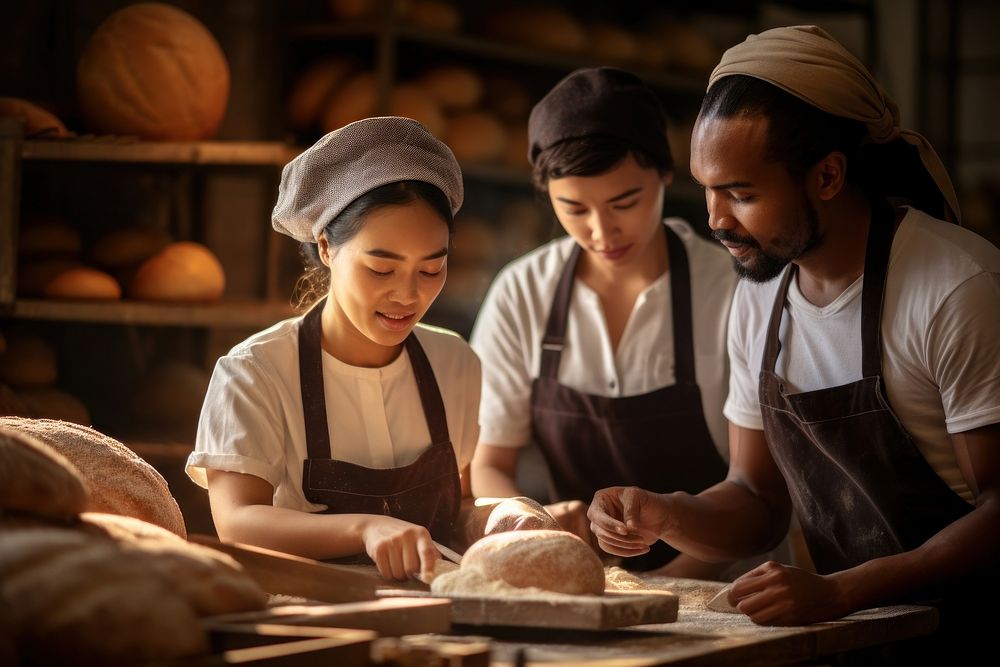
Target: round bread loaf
{"x": 508, "y": 98}
{"x": 127, "y": 247}
{"x": 83, "y": 284}
{"x": 120, "y": 481}
{"x": 433, "y": 15}
{"x": 552, "y": 560}
{"x": 183, "y": 271}
{"x": 36, "y": 119}
{"x": 81, "y": 598}
{"x": 549, "y": 28}
{"x": 36, "y": 480}
{"x": 313, "y": 87}
{"x": 53, "y": 403}
{"x": 352, "y": 101}
{"x": 452, "y": 86}
{"x": 12, "y": 404}
{"x": 154, "y": 71}
{"x": 34, "y": 274}
{"x": 612, "y": 42}
{"x": 169, "y": 397}
{"x": 475, "y": 136}
{"x": 47, "y": 235}
{"x": 411, "y": 101}
{"x": 28, "y": 361}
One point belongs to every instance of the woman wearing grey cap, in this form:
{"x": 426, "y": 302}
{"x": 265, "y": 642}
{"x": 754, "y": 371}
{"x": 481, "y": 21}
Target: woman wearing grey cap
{"x": 607, "y": 348}
{"x": 343, "y": 432}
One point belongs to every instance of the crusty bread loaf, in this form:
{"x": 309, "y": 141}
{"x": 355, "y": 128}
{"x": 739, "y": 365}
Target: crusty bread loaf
{"x": 313, "y": 87}
{"x": 81, "y": 598}
{"x": 433, "y": 15}
{"x": 546, "y": 27}
{"x": 353, "y": 100}
{"x": 47, "y": 236}
{"x": 28, "y": 361}
{"x": 552, "y": 560}
{"x": 411, "y": 101}
{"x": 612, "y": 42}
{"x": 168, "y": 399}
{"x": 452, "y": 86}
{"x": 36, "y": 480}
{"x": 475, "y": 136}
{"x": 128, "y": 247}
{"x": 53, "y": 403}
{"x": 34, "y": 274}
{"x": 120, "y": 481}
{"x": 154, "y": 71}
{"x": 182, "y": 272}
{"x": 83, "y": 283}
{"x": 37, "y": 120}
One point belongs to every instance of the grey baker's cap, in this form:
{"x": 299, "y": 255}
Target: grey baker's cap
{"x": 357, "y": 158}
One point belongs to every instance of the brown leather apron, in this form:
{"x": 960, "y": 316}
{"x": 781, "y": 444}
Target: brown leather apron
{"x": 658, "y": 440}
{"x": 860, "y": 486}
{"x": 426, "y": 492}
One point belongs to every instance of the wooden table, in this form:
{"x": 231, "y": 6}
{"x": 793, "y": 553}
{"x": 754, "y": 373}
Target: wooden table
{"x": 700, "y": 636}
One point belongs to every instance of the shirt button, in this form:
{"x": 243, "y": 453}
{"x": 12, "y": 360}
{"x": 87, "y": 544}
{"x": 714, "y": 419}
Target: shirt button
{"x": 612, "y": 384}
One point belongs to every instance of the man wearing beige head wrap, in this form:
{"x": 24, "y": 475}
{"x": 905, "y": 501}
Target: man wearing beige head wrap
{"x": 865, "y": 382}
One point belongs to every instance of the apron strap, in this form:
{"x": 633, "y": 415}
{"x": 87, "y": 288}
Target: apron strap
{"x": 430, "y": 395}
{"x": 879, "y": 244}
{"x": 554, "y": 339}
{"x": 311, "y": 383}
{"x": 555, "y": 330}
{"x": 314, "y": 395}
{"x": 680, "y": 298}
{"x": 772, "y": 344}
{"x": 880, "y": 233}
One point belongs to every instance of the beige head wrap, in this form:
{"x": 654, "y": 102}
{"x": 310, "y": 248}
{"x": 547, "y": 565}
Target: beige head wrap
{"x": 810, "y": 64}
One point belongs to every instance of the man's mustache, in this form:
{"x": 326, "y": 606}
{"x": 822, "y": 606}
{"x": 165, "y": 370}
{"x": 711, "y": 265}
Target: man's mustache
{"x": 730, "y": 237}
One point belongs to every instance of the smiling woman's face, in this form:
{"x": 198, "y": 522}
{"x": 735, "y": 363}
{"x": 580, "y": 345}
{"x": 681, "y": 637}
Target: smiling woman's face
{"x": 386, "y": 276}
{"x": 613, "y": 216}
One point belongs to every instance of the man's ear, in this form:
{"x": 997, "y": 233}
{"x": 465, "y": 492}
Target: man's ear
{"x": 829, "y": 175}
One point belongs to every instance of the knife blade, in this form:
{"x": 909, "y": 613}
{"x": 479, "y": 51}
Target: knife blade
{"x": 453, "y": 556}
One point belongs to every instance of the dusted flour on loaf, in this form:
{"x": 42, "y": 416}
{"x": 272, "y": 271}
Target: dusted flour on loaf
{"x": 551, "y": 560}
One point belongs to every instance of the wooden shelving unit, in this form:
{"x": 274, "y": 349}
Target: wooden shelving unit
{"x": 225, "y": 314}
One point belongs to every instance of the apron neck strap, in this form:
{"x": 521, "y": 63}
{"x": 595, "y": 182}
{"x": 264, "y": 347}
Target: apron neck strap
{"x": 314, "y": 395}
{"x": 879, "y": 244}
{"x": 554, "y": 339}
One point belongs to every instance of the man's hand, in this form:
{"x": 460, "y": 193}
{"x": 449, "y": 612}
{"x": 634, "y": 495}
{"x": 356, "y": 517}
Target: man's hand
{"x": 627, "y": 519}
{"x": 776, "y": 594}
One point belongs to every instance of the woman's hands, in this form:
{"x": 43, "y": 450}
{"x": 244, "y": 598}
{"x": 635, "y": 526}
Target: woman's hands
{"x": 400, "y": 549}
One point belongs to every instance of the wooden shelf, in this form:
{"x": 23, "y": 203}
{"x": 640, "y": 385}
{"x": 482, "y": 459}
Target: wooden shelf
{"x": 232, "y": 314}
{"x": 471, "y": 45}
{"x": 124, "y": 149}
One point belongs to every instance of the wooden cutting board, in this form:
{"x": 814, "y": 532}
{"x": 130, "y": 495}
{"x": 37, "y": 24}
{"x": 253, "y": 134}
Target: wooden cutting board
{"x": 389, "y": 617}
{"x": 614, "y": 609}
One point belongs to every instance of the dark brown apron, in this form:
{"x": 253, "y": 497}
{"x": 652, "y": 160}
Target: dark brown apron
{"x": 426, "y": 492}
{"x": 658, "y": 440}
{"x": 860, "y": 486}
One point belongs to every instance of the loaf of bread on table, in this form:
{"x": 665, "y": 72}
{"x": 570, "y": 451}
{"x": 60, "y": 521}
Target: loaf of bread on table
{"x": 120, "y": 481}
{"x": 552, "y": 560}
{"x": 37, "y": 480}
{"x": 80, "y": 597}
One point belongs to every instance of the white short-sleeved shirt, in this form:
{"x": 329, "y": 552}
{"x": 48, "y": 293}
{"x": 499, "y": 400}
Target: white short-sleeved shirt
{"x": 940, "y": 339}
{"x": 509, "y": 329}
{"x": 252, "y": 420}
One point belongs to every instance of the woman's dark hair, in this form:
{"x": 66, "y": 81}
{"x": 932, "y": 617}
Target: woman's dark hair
{"x": 315, "y": 282}
{"x": 589, "y": 156}
{"x": 799, "y": 134}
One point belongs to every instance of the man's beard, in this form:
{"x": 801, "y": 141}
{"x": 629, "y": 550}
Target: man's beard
{"x": 760, "y": 265}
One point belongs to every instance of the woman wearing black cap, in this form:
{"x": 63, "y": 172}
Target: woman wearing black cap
{"x": 607, "y": 348}
{"x": 344, "y": 432}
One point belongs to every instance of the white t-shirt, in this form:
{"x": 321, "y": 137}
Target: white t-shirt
{"x": 509, "y": 329}
{"x": 940, "y": 339}
{"x": 252, "y": 420}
